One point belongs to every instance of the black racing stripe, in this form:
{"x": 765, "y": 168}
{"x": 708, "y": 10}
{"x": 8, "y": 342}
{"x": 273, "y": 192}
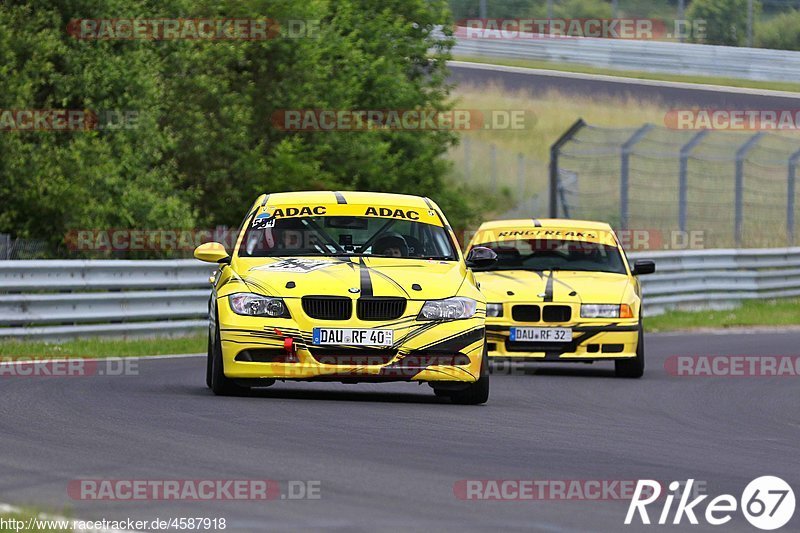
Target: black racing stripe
{"x": 458, "y": 342}
{"x": 601, "y": 329}
{"x": 548, "y": 288}
{"x": 428, "y": 203}
{"x": 366, "y": 281}
{"x": 391, "y": 280}
{"x": 415, "y": 332}
{"x": 536, "y": 223}
{"x": 339, "y": 198}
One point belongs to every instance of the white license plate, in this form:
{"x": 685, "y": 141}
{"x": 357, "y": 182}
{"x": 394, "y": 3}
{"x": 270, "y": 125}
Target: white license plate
{"x": 353, "y": 337}
{"x": 541, "y": 334}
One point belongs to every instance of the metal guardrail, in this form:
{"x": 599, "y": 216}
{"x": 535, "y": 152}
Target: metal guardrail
{"x": 56, "y": 300}
{"x": 646, "y": 56}
{"x": 707, "y": 279}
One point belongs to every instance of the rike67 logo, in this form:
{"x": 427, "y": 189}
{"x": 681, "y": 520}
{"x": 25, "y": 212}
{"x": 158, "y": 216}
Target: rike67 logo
{"x": 767, "y": 503}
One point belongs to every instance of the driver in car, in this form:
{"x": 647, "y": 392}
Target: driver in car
{"x": 392, "y": 245}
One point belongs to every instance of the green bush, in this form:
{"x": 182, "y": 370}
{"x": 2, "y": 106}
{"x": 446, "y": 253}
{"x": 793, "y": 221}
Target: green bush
{"x": 582, "y": 9}
{"x": 726, "y": 20}
{"x": 781, "y": 32}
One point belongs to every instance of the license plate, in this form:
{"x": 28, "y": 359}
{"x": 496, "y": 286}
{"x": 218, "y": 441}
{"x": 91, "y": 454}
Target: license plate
{"x": 353, "y": 337}
{"x": 541, "y": 334}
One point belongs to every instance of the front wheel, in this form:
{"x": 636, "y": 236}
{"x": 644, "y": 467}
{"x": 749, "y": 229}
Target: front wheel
{"x": 632, "y": 368}
{"x": 220, "y": 384}
{"x": 478, "y": 392}
{"x": 209, "y": 361}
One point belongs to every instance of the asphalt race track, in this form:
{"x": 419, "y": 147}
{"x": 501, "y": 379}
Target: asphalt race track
{"x": 591, "y": 85}
{"x": 387, "y": 456}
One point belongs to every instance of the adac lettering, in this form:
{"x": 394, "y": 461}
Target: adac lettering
{"x": 394, "y": 213}
{"x": 299, "y": 211}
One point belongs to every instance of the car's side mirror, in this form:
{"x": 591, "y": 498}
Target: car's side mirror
{"x": 212, "y": 252}
{"x": 481, "y": 257}
{"x": 643, "y": 266}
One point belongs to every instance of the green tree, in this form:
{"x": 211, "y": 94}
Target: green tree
{"x": 780, "y": 33}
{"x": 726, "y": 20}
{"x": 204, "y": 145}
{"x": 54, "y": 181}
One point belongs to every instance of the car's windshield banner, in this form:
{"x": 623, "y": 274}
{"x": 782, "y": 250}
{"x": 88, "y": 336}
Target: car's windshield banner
{"x": 565, "y": 234}
{"x": 413, "y": 214}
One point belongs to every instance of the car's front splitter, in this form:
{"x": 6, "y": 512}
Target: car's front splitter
{"x": 590, "y": 342}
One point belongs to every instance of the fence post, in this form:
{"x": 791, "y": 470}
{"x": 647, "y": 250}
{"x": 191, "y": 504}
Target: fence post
{"x": 493, "y": 167}
{"x": 683, "y": 177}
{"x": 624, "y": 180}
{"x": 741, "y": 154}
{"x": 790, "y": 191}
{"x": 5, "y": 246}
{"x": 554, "y": 149}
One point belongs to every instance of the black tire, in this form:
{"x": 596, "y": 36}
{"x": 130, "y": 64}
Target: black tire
{"x": 220, "y": 384}
{"x": 632, "y": 368}
{"x": 441, "y": 393}
{"x": 478, "y": 392}
{"x": 208, "y": 361}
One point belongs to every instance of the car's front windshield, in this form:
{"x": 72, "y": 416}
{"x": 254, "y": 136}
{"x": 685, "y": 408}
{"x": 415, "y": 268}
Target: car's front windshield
{"x": 556, "y": 254}
{"x": 345, "y": 236}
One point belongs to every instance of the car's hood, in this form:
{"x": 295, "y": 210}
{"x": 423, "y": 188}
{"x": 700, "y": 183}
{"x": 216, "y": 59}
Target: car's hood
{"x": 355, "y": 277}
{"x": 559, "y": 286}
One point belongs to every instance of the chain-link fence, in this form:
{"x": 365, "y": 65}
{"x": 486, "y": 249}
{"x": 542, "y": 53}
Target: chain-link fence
{"x": 517, "y": 177}
{"x": 738, "y": 189}
{"x": 16, "y": 248}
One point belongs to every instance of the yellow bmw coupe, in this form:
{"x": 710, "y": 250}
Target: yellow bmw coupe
{"x": 350, "y": 287}
{"x": 562, "y": 290}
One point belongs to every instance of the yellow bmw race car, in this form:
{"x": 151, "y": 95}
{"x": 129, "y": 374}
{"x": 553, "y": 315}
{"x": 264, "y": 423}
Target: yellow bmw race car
{"x": 562, "y": 290}
{"x": 347, "y": 286}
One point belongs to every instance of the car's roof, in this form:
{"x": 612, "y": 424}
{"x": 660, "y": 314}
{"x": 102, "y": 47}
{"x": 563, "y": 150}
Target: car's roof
{"x": 350, "y": 197}
{"x": 545, "y": 223}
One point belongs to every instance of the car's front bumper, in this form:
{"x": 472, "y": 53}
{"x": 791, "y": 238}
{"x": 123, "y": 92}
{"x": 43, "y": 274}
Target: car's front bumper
{"x": 423, "y": 351}
{"x": 591, "y": 341}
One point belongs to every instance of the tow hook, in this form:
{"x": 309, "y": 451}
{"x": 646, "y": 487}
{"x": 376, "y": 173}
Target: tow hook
{"x": 291, "y": 353}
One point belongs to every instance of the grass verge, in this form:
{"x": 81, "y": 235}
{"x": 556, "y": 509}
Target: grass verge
{"x": 655, "y": 76}
{"x": 750, "y": 313}
{"x": 99, "y": 348}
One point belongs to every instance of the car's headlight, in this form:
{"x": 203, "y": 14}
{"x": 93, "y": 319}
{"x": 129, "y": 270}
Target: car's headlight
{"x": 494, "y": 310}
{"x": 606, "y": 311}
{"x": 448, "y": 309}
{"x": 249, "y": 304}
